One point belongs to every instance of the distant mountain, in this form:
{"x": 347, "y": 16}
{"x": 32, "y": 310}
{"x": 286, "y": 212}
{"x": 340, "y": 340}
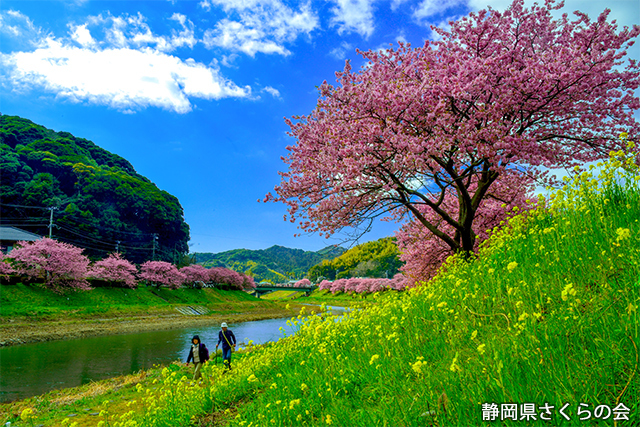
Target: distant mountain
{"x": 100, "y": 202}
{"x": 276, "y": 264}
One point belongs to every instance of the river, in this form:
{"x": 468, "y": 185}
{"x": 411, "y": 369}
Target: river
{"x": 33, "y": 369}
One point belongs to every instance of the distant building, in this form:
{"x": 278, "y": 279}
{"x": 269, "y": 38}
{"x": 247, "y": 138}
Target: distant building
{"x": 10, "y": 235}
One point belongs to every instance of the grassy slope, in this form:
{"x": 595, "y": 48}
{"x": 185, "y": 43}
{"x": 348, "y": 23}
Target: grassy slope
{"x": 38, "y": 303}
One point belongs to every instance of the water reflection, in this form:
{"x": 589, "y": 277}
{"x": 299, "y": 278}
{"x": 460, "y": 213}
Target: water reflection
{"x": 34, "y": 369}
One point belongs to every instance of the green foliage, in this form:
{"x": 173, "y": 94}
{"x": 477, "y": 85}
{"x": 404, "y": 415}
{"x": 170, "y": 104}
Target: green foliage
{"x": 276, "y": 264}
{"x": 102, "y": 200}
{"x": 378, "y": 258}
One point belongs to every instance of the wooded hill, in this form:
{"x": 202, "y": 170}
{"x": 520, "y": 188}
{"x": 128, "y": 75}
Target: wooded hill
{"x": 276, "y": 264}
{"x": 101, "y": 201}
{"x": 379, "y": 258}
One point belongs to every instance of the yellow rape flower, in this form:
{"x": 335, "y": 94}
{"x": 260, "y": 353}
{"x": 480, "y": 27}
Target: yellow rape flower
{"x": 373, "y": 359}
{"x": 512, "y": 266}
{"x": 417, "y": 367}
{"x": 622, "y": 234}
{"x": 26, "y": 414}
{"x": 454, "y": 364}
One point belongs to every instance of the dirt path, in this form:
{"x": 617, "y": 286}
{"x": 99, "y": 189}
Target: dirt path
{"x": 22, "y": 332}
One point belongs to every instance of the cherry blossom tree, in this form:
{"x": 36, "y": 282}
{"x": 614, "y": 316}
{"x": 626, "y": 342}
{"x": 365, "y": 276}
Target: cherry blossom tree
{"x": 325, "y": 285}
{"x": 161, "y": 273}
{"x": 438, "y": 132}
{"x": 303, "y": 283}
{"x": 58, "y": 265}
{"x": 116, "y": 270}
{"x": 352, "y": 284}
{"x": 338, "y": 286}
{"x": 363, "y": 286}
{"x": 378, "y": 285}
{"x": 225, "y": 276}
{"x": 195, "y": 273}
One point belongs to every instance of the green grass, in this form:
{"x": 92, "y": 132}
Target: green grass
{"x": 36, "y": 302}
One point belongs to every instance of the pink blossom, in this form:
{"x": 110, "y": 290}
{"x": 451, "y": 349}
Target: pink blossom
{"x": 162, "y": 273}
{"x": 225, "y": 276}
{"x": 338, "y": 286}
{"x": 351, "y": 284}
{"x": 248, "y": 283}
{"x": 59, "y": 265}
{"x": 195, "y": 273}
{"x": 325, "y": 285}
{"x": 303, "y": 283}
{"x": 115, "y": 269}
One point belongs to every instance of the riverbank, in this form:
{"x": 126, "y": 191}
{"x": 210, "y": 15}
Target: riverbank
{"x": 31, "y": 314}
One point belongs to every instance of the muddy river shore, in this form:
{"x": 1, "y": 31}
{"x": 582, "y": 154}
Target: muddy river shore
{"x": 23, "y": 331}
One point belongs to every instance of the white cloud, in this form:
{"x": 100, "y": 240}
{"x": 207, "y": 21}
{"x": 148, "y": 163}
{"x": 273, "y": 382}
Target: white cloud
{"x": 395, "y": 4}
{"x": 83, "y": 36}
{"x": 353, "y": 16}
{"x": 17, "y": 29}
{"x": 122, "y": 65}
{"x": 205, "y": 4}
{"x": 133, "y": 31}
{"x": 263, "y": 26}
{"x": 234, "y": 35}
{"x": 340, "y": 52}
{"x": 429, "y": 8}
{"x": 272, "y": 91}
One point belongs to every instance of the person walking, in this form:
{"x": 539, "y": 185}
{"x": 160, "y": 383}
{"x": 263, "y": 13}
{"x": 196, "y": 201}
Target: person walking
{"x": 228, "y": 340}
{"x": 199, "y": 354}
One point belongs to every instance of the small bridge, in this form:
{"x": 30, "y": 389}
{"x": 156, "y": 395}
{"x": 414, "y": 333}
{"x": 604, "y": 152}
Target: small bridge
{"x": 261, "y": 290}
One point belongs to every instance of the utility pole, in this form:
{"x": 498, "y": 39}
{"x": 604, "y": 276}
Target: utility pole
{"x": 155, "y": 239}
{"x": 51, "y": 209}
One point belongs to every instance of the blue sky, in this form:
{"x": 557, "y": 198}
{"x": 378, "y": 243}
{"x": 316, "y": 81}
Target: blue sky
{"x": 194, "y": 93}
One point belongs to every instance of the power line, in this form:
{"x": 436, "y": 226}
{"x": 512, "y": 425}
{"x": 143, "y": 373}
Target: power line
{"x": 24, "y": 206}
{"x": 80, "y": 220}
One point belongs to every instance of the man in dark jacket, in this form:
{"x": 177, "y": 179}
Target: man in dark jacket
{"x": 228, "y": 340}
{"x": 199, "y": 354}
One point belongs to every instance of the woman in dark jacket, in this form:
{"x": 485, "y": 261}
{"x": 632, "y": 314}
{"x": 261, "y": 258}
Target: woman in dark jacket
{"x": 199, "y": 354}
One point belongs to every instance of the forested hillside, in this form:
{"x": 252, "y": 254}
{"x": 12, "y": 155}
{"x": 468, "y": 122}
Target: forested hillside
{"x": 378, "y": 258}
{"x": 99, "y": 201}
{"x": 276, "y": 264}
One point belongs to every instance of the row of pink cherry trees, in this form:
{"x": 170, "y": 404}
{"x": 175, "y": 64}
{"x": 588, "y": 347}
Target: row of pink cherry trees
{"x": 60, "y": 265}
{"x": 358, "y": 285}
{"x": 364, "y": 285}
